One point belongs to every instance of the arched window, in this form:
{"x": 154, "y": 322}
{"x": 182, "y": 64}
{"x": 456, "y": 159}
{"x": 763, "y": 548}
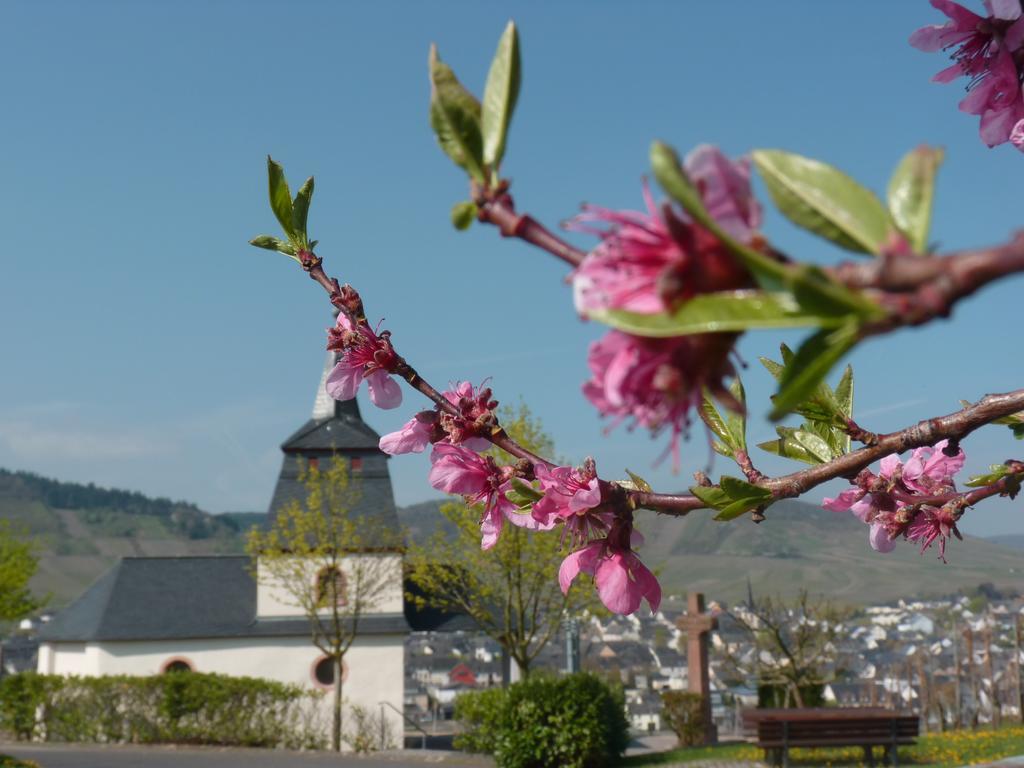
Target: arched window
{"x": 331, "y": 586}
{"x": 322, "y": 672}
{"x": 177, "y": 664}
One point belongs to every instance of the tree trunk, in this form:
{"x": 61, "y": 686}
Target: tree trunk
{"x": 336, "y": 713}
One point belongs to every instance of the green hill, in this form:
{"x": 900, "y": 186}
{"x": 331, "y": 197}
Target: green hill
{"x": 82, "y": 530}
{"x": 799, "y": 546}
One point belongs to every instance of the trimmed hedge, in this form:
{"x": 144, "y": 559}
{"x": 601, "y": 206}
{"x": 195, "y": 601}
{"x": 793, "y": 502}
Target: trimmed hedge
{"x": 577, "y": 721}
{"x": 180, "y": 707}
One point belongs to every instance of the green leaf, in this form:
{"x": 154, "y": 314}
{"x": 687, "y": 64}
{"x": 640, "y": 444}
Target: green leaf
{"x": 280, "y": 197}
{"x": 824, "y": 200}
{"x": 300, "y": 211}
{"x": 788, "y": 448}
{"x": 500, "y": 95}
{"x": 639, "y": 483}
{"x": 775, "y": 369}
{"x": 744, "y": 497}
{"x": 814, "y": 445}
{"x": 711, "y": 496}
{"x": 911, "y": 192}
{"x": 526, "y": 490}
{"x": 463, "y": 214}
{"x": 274, "y": 244}
{"x": 737, "y": 422}
{"x": 725, "y": 311}
{"x": 996, "y": 471}
{"x": 710, "y": 415}
{"x": 844, "y": 392}
{"x": 455, "y": 118}
{"x": 811, "y": 364}
{"x": 523, "y": 495}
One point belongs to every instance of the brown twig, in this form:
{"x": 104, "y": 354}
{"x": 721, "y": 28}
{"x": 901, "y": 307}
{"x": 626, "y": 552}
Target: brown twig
{"x": 500, "y": 211}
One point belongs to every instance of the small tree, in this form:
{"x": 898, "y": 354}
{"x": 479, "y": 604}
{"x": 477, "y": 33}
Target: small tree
{"x": 791, "y": 647}
{"x": 506, "y": 591}
{"x": 318, "y": 556}
{"x": 18, "y": 564}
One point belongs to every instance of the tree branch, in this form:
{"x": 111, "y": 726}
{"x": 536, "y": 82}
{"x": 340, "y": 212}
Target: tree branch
{"x": 954, "y": 426}
{"x": 500, "y": 211}
{"x": 918, "y": 289}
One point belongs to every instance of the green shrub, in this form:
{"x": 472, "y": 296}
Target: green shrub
{"x": 774, "y": 696}
{"x": 189, "y": 708}
{"x": 683, "y": 712}
{"x": 577, "y": 721}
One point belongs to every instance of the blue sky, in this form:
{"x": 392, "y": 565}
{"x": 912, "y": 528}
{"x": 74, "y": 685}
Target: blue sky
{"x": 147, "y": 346}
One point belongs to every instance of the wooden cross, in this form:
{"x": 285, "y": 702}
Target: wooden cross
{"x": 697, "y": 625}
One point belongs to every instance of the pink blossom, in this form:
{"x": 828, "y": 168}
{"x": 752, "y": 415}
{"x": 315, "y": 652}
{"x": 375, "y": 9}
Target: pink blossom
{"x": 929, "y": 469}
{"x": 623, "y": 582}
{"x": 998, "y": 99}
{"x": 364, "y": 355}
{"x": 458, "y": 470}
{"x": 933, "y": 523}
{"x": 568, "y": 492}
{"x": 985, "y": 48}
{"x": 413, "y": 437}
{"x": 1017, "y": 135}
{"x": 475, "y": 417}
{"x": 655, "y": 383}
{"x": 887, "y": 501}
{"x": 648, "y": 262}
{"x": 724, "y": 186}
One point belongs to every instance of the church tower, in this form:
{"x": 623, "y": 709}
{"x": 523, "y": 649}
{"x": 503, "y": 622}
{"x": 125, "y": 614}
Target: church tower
{"x": 336, "y": 428}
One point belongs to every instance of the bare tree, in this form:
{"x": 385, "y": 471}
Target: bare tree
{"x": 317, "y": 558}
{"x": 791, "y": 646}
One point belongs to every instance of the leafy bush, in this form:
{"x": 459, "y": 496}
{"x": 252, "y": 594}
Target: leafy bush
{"x": 775, "y": 696}
{"x": 577, "y": 721}
{"x": 684, "y": 714}
{"x": 368, "y": 731}
{"x": 188, "y": 708}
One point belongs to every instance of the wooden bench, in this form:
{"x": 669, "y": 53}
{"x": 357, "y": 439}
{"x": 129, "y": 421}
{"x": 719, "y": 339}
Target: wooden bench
{"x": 776, "y": 730}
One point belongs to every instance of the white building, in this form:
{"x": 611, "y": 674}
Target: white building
{"x": 147, "y": 615}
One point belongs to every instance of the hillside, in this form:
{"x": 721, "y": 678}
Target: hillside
{"x": 800, "y": 546}
{"x": 82, "y": 530}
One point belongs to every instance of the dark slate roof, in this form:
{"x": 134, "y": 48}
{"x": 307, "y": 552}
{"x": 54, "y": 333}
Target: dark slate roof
{"x": 344, "y": 431}
{"x": 173, "y": 598}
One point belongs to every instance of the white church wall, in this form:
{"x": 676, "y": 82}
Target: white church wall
{"x": 273, "y": 600}
{"x": 374, "y": 664}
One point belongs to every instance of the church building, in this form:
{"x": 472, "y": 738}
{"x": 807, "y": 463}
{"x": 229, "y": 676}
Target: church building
{"x": 149, "y": 615}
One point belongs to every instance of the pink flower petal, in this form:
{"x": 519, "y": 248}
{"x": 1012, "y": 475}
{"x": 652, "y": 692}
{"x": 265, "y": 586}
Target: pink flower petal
{"x": 843, "y": 501}
{"x": 413, "y": 437}
{"x": 343, "y": 382}
{"x": 623, "y": 582}
{"x": 889, "y": 465}
{"x": 585, "y": 499}
{"x": 879, "y": 539}
{"x": 385, "y": 392}
{"x": 582, "y": 560}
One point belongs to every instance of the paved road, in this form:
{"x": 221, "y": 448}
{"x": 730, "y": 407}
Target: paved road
{"x": 90, "y": 756}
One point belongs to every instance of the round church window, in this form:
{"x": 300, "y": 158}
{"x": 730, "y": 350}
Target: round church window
{"x": 323, "y": 672}
{"x": 177, "y": 665}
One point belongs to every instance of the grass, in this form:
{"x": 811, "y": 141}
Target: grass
{"x": 6, "y": 761}
{"x": 934, "y": 750}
